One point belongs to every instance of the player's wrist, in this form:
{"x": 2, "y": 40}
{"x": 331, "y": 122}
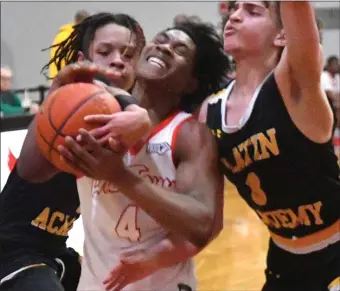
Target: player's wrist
{"x": 126, "y": 181}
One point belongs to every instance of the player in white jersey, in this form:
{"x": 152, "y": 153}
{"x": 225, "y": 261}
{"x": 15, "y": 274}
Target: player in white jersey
{"x": 113, "y": 222}
{"x": 167, "y": 188}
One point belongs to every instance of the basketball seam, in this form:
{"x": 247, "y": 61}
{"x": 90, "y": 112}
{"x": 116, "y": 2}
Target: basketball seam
{"x": 46, "y": 141}
{"x": 74, "y": 110}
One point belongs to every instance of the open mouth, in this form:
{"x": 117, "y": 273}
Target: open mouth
{"x": 156, "y": 62}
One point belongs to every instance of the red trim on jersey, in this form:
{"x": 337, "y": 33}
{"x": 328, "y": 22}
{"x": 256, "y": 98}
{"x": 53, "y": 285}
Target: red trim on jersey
{"x": 336, "y": 141}
{"x": 135, "y": 150}
{"x": 79, "y": 176}
{"x": 11, "y": 160}
{"x": 174, "y": 137}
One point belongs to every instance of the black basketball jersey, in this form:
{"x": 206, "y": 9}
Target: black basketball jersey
{"x": 291, "y": 182}
{"x": 38, "y": 215}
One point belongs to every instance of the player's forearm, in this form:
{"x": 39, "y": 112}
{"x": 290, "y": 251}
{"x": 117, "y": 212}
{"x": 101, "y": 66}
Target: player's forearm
{"x": 179, "y": 213}
{"x": 32, "y": 166}
{"x": 173, "y": 250}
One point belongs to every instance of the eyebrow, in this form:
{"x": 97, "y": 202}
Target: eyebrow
{"x": 179, "y": 43}
{"x": 248, "y": 5}
{"x": 108, "y": 44}
{"x": 253, "y": 5}
{"x": 163, "y": 33}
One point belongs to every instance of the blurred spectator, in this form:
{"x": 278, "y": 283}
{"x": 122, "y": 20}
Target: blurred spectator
{"x": 183, "y": 18}
{"x": 330, "y": 80}
{"x": 180, "y": 18}
{"x": 10, "y": 102}
{"x": 195, "y": 19}
{"x": 63, "y": 33}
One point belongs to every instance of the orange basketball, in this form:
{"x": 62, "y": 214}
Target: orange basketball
{"x": 63, "y": 112}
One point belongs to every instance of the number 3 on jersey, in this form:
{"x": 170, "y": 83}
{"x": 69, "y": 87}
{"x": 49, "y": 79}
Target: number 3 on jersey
{"x": 127, "y": 224}
{"x": 257, "y": 194}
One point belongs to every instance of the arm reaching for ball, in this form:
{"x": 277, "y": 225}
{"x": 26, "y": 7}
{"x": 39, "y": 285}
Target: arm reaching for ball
{"x": 138, "y": 264}
{"x": 128, "y": 126}
{"x": 33, "y": 166}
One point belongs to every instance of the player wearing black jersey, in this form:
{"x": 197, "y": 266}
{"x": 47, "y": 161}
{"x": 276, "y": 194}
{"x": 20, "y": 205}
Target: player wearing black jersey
{"x": 35, "y": 217}
{"x": 273, "y": 126}
{"x": 35, "y": 220}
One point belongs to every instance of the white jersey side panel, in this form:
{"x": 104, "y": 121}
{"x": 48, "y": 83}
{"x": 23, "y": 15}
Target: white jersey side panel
{"x": 113, "y": 223}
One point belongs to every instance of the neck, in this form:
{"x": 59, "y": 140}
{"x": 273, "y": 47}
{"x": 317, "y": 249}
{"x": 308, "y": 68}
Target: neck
{"x": 251, "y": 71}
{"x": 332, "y": 74}
{"x": 158, "y": 102}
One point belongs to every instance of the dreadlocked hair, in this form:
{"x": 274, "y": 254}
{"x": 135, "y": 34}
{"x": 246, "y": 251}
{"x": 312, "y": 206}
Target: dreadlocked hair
{"x": 211, "y": 64}
{"x": 83, "y": 34}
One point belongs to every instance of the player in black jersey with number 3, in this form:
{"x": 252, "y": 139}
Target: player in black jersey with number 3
{"x": 273, "y": 126}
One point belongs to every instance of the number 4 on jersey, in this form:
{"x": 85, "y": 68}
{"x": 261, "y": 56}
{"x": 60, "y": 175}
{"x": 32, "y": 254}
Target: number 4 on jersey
{"x": 127, "y": 224}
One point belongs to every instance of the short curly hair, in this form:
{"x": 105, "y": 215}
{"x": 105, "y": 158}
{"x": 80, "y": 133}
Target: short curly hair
{"x": 211, "y": 62}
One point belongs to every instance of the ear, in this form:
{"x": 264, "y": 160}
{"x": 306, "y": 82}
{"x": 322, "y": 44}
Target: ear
{"x": 81, "y": 56}
{"x": 192, "y": 85}
{"x": 280, "y": 39}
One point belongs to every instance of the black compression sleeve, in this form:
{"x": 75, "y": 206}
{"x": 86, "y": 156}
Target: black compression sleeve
{"x": 126, "y": 100}
{"x": 123, "y": 100}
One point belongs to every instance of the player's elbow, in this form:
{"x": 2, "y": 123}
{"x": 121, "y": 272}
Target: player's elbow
{"x": 204, "y": 230}
{"x": 217, "y": 228}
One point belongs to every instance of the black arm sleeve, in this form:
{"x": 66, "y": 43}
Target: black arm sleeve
{"x": 123, "y": 100}
{"x": 126, "y": 100}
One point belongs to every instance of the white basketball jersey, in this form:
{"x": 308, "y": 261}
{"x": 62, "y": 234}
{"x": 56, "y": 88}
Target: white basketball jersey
{"x": 113, "y": 223}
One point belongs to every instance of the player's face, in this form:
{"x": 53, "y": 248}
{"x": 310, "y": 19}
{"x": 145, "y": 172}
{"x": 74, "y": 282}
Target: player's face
{"x": 169, "y": 59}
{"x": 6, "y": 80}
{"x": 334, "y": 66}
{"x": 251, "y": 28}
{"x": 115, "y": 47}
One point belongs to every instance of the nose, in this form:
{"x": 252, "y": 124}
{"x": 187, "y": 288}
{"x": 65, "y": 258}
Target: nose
{"x": 236, "y": 15}
{"x": 165, "y": 48}
{"x": 116, "y": 61}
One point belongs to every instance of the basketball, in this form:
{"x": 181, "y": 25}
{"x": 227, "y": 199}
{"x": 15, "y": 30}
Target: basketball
{"x": 62, "y": 114}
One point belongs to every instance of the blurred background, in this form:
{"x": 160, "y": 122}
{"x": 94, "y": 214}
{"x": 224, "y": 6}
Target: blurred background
{"x": 28, "y": 27}
{"x": 236, "y": 259}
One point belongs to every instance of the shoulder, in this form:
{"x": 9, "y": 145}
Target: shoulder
{"x": 325, "y": 76}
{"x": 213, "y": 99}
{"x": 194, "y": 138}
{"x": 193, "y": 129}
{"x": 337, "y": 78}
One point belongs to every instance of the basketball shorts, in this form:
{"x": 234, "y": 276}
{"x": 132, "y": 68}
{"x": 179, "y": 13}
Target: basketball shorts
{"x": 318, "y": 271}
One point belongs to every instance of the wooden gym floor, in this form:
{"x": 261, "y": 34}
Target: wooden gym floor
{"x": 235, "y": 260}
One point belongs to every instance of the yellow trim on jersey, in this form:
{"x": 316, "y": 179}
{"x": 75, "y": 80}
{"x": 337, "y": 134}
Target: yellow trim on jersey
{"x": 217, "y": 94}
{"x": 335, "y": 282}
{"x": 309, "y": 243}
